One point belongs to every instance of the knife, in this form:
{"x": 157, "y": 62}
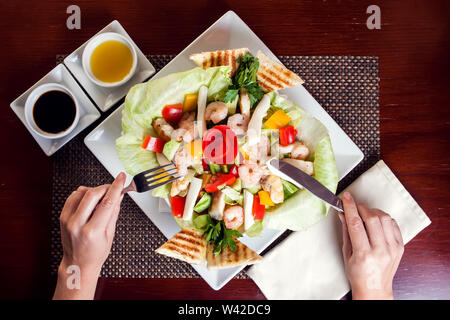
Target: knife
{"x": 296, "y": 176}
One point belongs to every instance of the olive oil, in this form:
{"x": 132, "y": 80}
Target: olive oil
{"x": 111, "y": 61}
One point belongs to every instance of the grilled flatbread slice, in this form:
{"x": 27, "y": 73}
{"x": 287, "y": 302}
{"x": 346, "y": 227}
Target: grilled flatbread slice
{"x": 219, "y": 58}
{"x": 274, "y": 76}
{"x": 227, "y": 258}
{"x": 187, "y": 245}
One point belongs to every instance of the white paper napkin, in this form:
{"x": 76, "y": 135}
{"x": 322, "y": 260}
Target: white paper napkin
{"x": 309, "y": 265}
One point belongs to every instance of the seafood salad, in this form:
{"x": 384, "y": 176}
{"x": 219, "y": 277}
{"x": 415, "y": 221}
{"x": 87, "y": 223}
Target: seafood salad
{"x": 219, "y": 124}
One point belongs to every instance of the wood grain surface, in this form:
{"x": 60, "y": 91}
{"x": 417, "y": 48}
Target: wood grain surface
{"x": 413, "y": 48}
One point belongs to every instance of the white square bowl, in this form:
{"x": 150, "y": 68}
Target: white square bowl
{"x": 226, "y": 33}
{"x": 88, "y": 112}
{"x": 104, "y": 97}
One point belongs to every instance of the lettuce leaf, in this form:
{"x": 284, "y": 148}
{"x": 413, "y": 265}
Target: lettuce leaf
{"x": 133, "y": 157}
{"x": 303, "y": 209}
{"x": 145, "y": 101}
{"x": 255, "y": 230}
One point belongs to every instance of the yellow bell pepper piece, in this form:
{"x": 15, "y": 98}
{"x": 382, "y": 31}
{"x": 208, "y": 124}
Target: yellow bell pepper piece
{"x": 246, "y": 156}
{"x": 195, "y": 149}
{"x": 190, "y": 102}
{"x": 277, "y": 120}
{"x": 264, "y": 198}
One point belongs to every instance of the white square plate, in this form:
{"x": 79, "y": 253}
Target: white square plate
{"x": 228, "y": 32}
{"x": 88, "y": 112}
{"x": 105, "y": 98}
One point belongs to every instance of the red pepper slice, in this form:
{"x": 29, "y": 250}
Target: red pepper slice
{"x": 234, "y": 171}
{"x": 153, "y": 144}
{"x": 173, "y": 112}
{"x": 287, "y": 135}
{"x": 177, "y": 204}
{"x": 220, "y": 145}
{"x": 258, "y": 209}
{"x": 219, "y": 179}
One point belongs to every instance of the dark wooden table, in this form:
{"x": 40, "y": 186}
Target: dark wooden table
{"x": 413, "y": 48}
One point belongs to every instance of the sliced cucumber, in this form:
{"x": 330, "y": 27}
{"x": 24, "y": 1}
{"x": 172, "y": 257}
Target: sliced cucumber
{"x": 204, "y": 203}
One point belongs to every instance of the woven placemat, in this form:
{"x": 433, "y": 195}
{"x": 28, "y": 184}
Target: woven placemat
{"x": 346, "y": 86}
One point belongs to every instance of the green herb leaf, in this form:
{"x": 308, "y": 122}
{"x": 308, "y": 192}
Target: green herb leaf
{"x": 220, "y": 236}
{"x": 231, "y": 95}
{"x": 234, "y": 233}
{"x": 245, "y": 78}
{"x": 255, "y": 93}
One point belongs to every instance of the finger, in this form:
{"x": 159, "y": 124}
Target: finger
{"x": 346, "y": 244}
{"x": 387, "y": 225}
{"x": 397, "y": 233}
{"x": 355, "y": 226}
{"x": 373, "y": 226}
{"x": 105, "y": 209}
{"x": 111, "y": 227}
{"x": 88, "y": 203}
{"x": 72, "y": 203}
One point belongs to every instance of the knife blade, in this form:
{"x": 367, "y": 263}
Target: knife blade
{"x": 296, "y": 176}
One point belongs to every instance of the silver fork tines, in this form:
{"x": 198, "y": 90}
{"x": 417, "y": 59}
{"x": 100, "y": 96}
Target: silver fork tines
{"x": 168, "y": 173}
{"x": 143, "y": 181}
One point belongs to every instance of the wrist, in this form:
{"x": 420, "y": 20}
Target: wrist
{"x": 68, "y": 266}
{"x": 76, "y": 282}
{"x": 382, "y": 294}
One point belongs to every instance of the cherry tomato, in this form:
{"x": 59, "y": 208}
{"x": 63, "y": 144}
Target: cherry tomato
{"x": 205, "y": 165}
{"x": 234, "y": 170}
{"x": 173, "y": 112}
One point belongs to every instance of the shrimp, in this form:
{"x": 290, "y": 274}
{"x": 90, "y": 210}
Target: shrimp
{"x": 233, "y": 216}
{"x": 187, "y": 123}
{"x": 238, "y": 123}
{"x": 259, "y": 151}
{"x": 274, "y": 186}
{"x": 250, "y": 173}
{"x": 216, "y": 111}
{"x": 182, "y": 160}
{"x": 187, "y": 119}
{"x": 181, "y": 134}
{"x": 299, "y": 151}
{"x": 162, "y": 128}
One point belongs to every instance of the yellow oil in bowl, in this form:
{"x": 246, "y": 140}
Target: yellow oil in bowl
{"x": 111, "y": 61}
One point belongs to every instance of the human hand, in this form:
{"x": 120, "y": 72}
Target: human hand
{"x": 372, "y": 249}
{"x": 88, "y": 222}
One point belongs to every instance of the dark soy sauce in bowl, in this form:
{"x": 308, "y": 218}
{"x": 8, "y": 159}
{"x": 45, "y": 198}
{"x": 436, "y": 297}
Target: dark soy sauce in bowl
{"x": 54, "y": 111}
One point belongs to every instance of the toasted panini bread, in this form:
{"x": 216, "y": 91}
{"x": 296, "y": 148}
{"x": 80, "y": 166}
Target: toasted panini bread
{"x": 274, "y": 76}
{"x": 219, "y": 58}
{"x": 227, "y": 258}
{"x": 187, "y": 245}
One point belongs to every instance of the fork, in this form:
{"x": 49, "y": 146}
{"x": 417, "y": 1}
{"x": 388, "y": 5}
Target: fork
{"x": 143, "y": 181}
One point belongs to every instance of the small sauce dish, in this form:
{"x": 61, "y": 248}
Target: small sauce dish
{"x": 109, "y": 59}
{"x": 51, "y": 111}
